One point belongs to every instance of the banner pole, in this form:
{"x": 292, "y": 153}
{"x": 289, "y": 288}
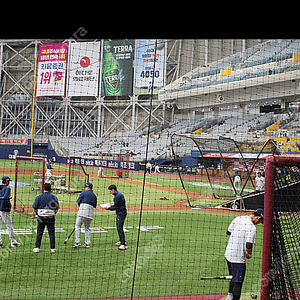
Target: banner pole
{"x": 33, "y": 106}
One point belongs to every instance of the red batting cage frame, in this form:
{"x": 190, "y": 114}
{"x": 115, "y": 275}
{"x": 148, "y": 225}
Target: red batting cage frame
{"x": 28, "y": 158}
{"x": 118, "y": 162}
{"x": 282, "y": 238}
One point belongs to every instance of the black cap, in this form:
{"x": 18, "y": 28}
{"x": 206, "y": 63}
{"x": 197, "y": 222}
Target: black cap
{"x": 5, "y": 178}
{"x": 89, "y": 184}
{"x": 260, "y": 213}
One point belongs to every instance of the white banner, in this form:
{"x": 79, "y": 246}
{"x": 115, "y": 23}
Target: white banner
{"x": 84, "y": 61}
{"x": 145, "y": 56}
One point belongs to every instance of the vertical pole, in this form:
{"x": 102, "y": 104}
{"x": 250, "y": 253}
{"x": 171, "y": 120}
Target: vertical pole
{"x": 178, "y": 59}
{"x": 133, "y": 114}
{"x": 268, "y": 228}
{"x": 43, "y": 175}
{"x": 134, "y": 97}
{"x": 33, "y": 105}
{"x": 205, "y": 52}
{"x": 16, "y": 180}
{"x": 192, "y": 56}
{"x": 1, "y": 100}
{"x": 69, "y": 183}
{"x": 66, "y": 119}
{"x": 100, "y": 98}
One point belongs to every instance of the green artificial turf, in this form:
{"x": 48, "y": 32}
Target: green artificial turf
{"x": 170, "y": 261}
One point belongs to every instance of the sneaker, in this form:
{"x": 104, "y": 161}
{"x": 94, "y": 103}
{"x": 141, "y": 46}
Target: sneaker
{"x": 36, "y": 250}
{"x": 122, "y": 247}
{"x": 53, "y": 250}
{"x": 86, "y": 245}
{"x": 1, "y": 245}
{"x": 119, "y": 243}
{"x": 15, "y": 244}
{"x": 229, "y": 296}
{"x": 76, "y": 245}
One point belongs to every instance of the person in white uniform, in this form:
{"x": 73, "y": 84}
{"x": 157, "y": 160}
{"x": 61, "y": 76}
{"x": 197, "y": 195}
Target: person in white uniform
{"x": 242, "y": 232}
{"x": 260, "y": 182}
{"x": 237, "y": 182}
{"x": 100, "y": 171}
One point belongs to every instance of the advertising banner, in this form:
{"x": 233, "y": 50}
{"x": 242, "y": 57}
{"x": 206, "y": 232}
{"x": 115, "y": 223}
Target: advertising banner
{"x": 6, "y": 141}
{"x": 51, "y": 70}
{"x": 117, "y": 67}
{"x": 84, "y": 61}
{"x": 144, "y": 73}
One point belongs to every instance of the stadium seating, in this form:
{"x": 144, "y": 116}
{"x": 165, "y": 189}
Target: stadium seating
{"x": 272, "y": 57}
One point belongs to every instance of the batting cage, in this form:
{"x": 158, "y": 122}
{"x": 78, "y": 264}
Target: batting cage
{"x": 157, "y": 169}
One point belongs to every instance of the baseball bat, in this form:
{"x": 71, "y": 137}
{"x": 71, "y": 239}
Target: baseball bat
{"x": 217, "y": 277}
{"x": 66, "y": 240}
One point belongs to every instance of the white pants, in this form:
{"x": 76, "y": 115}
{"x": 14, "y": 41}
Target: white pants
{"x": 6, "y": 217}
{"x": 237, "y": 182}
{"x": 87, "y": 223}
{"x": 100, "y": 172}
{"x": 48, "y": 175}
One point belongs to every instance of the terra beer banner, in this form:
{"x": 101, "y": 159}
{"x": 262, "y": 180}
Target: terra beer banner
{"x": 84, "y": 60}
{"x": 117, "y": 67}
{"x": 51, "y": 70}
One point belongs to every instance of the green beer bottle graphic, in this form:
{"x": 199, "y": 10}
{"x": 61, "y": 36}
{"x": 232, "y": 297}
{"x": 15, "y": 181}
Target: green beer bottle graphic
{"x": 111, "y": 73}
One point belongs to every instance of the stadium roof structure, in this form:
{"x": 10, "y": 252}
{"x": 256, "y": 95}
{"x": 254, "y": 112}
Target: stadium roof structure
{"x": 187, "y": 87}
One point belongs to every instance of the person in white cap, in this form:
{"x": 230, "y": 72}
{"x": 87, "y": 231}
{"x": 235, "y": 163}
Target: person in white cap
{"x": 5, "y": 207}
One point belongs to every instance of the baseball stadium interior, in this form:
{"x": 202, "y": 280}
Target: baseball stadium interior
{"x": 193, "y": 133}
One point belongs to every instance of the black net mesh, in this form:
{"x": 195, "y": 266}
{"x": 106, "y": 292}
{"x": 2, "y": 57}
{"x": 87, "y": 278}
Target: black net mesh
{"x": 285, "y": 267}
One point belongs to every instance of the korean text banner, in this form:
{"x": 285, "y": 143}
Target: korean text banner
{"x": 145, "y": 53}
{"x": 84, "y": 60}
{"x": 117, "y": 67}
{"x": 51, "y": 71}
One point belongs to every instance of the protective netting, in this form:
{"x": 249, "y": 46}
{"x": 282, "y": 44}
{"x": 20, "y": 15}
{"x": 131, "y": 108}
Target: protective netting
{"x": 223, "y": 174}
{"x": 182, "y": 128}
{"x": 284, "y": 271}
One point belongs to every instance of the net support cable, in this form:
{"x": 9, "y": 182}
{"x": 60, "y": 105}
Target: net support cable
{"x": 144, "y": 175}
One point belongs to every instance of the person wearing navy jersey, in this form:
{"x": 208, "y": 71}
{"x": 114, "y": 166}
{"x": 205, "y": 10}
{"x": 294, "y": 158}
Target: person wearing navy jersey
{"x": 87, "y": 201}
{"x": 49, "y": 171}
{"x": 121, "y": 211}
{"x": 46, "y": 206}
{"x": 5, "y": 207}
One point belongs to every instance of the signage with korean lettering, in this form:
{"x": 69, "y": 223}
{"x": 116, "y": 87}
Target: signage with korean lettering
{"x": 84, "y": 61}
{"x": 51, "y": 71}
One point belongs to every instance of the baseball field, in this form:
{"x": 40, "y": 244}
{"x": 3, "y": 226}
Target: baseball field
{"x": 170, "y": 245}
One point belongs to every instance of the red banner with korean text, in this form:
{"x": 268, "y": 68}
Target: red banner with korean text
{"x": 51, "y": 70}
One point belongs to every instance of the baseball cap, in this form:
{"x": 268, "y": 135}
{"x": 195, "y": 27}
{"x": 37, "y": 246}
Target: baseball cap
{"x": 4, "y": 178}
{"x": 260, "y": 212}
{"x": 89, "y": 184}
